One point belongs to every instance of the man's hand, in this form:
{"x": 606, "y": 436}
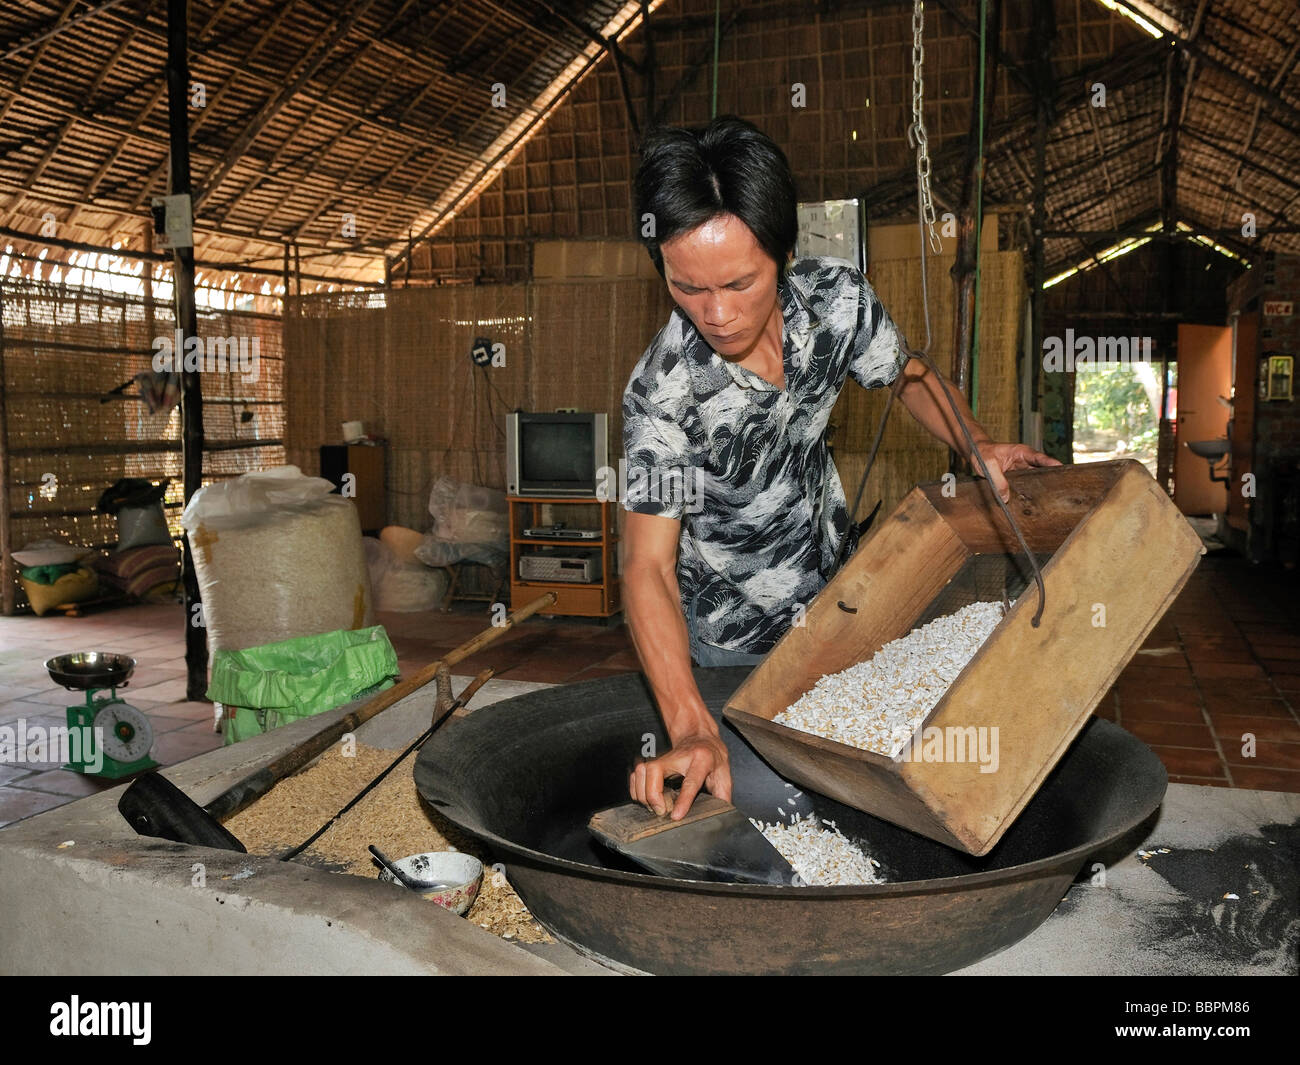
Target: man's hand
{"x": 1003, "y": 457}
{"x": 702, "y": 761}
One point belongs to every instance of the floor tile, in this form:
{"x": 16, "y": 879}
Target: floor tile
{"x": 1269, "y": 754}
{"x": 16, "y": 804}
{"x": 1266, "y": 779}
{"x": 1171, "y": 734}
{"x": 1189, "y": 713}
{"x": 1231, "y": 727}
{"x": 1232, "y": 704}
{"x": 66, "y": 782}
{"x": 1239, "y": 687}
{"x": 1236, "y": 670}
{"x": 173, "y": 747}
{"x": 1186, "y": 761}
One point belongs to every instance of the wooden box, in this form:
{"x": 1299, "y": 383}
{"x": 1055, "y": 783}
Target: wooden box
{"x": 1114, "y": 553}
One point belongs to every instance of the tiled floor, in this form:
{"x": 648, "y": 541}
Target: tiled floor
{"x": 1222, "y": 666}
{"x": 1215, "y": 689}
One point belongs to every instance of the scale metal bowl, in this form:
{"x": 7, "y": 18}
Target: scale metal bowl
{"x": 88, "y": 670}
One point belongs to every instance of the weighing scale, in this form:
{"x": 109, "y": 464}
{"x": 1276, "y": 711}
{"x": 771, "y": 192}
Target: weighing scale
{"x": 124, "y": 732}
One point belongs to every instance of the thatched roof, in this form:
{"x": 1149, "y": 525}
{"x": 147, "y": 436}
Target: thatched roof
{"x": 1216, "y": 96}
{"x": 382, "y": 110}
{"x": 378, "y": 109}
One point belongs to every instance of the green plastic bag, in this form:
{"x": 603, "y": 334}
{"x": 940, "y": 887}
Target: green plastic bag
{"x": 262, "y": 688}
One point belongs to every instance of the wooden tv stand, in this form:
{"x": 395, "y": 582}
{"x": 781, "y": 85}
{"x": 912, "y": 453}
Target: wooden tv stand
{"x": 597, "y": 599}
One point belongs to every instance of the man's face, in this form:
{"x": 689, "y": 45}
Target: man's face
{"x": 724, "y": 281}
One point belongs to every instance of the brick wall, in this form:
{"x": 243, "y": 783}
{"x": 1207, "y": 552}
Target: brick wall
{"x": 1273, "y": 518}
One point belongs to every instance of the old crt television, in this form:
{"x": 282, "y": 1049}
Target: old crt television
{"x": 556, "y": 454}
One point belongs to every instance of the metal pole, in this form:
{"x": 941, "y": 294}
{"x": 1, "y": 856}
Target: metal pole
{"x": 187, "y": 319}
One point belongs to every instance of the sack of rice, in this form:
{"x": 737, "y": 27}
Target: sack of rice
{"x": 276, "y": 557}
{"x": 402, "y": 586}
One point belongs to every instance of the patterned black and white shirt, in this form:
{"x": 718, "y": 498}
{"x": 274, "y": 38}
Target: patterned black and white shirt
{"x": 743, "y": 464}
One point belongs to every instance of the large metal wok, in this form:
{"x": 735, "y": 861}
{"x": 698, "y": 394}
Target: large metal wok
{"x": 525, "y": 774}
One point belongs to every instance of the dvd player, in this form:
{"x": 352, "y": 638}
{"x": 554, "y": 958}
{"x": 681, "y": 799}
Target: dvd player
{"x": 559, "y": 532}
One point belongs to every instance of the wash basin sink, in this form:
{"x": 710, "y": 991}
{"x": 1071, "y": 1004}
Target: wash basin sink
{"x": 1209, "y": 449}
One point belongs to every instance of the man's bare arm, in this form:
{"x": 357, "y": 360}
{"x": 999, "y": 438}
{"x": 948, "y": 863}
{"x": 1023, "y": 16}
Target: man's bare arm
{"x": 654, "y": 614}
{"x": 922, "y": 393}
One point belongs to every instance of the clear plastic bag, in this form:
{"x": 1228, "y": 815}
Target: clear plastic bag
{"x": 142, "y": 527}
{"x": 470, "y": 524}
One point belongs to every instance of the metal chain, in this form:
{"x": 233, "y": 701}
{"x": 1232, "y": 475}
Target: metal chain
{"x": 916, "y": 131}
{"x": 924, "y": 221}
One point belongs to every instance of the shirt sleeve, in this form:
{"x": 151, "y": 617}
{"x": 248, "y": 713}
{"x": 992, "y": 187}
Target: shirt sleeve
{"x": 876, "y": 350}
{"x": 657, "y": 455}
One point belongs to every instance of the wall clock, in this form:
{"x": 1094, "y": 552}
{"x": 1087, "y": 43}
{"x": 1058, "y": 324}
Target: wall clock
{"x": 837, "y": 228}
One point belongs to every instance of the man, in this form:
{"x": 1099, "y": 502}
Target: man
{"x": 724, "y": 422}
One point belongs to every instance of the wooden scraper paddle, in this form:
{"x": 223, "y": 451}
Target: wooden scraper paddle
{"x": 714, "y": 841}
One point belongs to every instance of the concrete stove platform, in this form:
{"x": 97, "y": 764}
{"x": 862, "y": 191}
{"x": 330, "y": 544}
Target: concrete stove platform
{"x": 114, "y": 902}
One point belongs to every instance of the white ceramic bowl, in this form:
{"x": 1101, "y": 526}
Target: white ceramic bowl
{"x": 462, "y": 873}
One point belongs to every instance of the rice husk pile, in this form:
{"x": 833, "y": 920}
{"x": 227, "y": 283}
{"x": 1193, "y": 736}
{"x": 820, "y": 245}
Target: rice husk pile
{"x": 822, "y": 857}
{"x": 392, "y": 817}
{"x": 877, "y": 705}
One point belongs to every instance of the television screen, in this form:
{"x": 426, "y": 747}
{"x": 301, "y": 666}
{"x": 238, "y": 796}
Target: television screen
{"x": 557, "y": 451}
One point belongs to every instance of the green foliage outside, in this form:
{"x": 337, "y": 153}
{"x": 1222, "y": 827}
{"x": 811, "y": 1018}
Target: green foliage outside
{"x": 1112, "y": 403}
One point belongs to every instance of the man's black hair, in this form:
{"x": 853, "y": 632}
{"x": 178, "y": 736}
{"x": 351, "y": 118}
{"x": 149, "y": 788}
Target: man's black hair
{"x": 730, "y": 166}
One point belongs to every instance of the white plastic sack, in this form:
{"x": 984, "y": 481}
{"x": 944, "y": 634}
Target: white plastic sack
{"x": 403, "y": 587}
{"x": 50, "y": 553}
{"x": 276, "y": 559}
{"x": 255, "y": 498}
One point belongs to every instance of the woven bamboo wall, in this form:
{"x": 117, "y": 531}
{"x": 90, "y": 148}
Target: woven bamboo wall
{"x": 908, "y": 453}
{"x": 404, "y": 370}
{"x": 63, "y": 349}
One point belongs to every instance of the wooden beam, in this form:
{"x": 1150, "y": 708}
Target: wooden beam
{"x": 8, "y": 594}
{"x": 61, "y": 25}
{"x": 972, "y": 30}
{"x": 306, "y": 69}
{"x": 965, "y": 264}
{"x": 1042, "y": 34}
{"x": 1278, "y": 104}
{"x": 160, "y": 257}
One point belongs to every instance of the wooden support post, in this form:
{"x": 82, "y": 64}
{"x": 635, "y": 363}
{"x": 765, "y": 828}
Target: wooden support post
{"x": 648, "y": 64}
{"x": 965, "y": 263}
{"x": 178, "y": 83}
{"x": 1172, "y": 255}
{"x": 146, "y": 273}
{"x": 1042, "y": 33}
{"x": 8, "y": 596}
